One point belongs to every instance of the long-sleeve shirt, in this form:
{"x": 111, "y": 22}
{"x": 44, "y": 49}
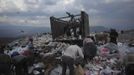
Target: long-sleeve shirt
{"x": 73, "y": 51}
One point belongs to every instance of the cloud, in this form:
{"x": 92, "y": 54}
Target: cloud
{"x": 12, "y": 5}
{"x": 37, "y": 12}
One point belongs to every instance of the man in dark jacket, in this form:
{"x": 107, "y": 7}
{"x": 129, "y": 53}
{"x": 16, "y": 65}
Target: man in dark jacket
{"x": 5, "y": 62}
{"x": 113, "y": 36}
{"x": 89, "y": 48}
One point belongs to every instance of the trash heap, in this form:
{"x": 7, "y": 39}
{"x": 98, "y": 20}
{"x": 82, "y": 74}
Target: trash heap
{"x": 45, "y": 51}
{"x": 108, "y": 61}
{"x": 103, "y": 66}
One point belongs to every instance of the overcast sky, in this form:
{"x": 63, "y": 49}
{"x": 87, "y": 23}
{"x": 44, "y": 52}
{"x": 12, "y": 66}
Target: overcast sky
{"x": 37, "y": 12}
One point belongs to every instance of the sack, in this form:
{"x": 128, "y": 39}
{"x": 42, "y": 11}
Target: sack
{"x": 104, "y": 51}
{"x": 79, "y": 70}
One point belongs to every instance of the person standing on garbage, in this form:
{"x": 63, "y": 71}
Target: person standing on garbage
{"x": 30, "y": 52}
{"x": 69, "y": 56}
{"x": 5, "y": 62}
{"x": 113, "y": 36}
{"x": 89, "y": 48}
{"x": 30, "y": 43}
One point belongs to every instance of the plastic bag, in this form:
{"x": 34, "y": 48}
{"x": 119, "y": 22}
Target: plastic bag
{"x": 79, "y": 70}
{"x": 104, "y": 51}
{"x": 87, "y": 72}
{"x": 112, "y": 47}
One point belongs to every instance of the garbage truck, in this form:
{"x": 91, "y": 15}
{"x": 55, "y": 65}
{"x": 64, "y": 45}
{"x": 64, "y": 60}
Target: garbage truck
{"x": 71, "y": 28}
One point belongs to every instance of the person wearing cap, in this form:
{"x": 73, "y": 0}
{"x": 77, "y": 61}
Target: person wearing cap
{"x": 69, "y": 56}
{"x": 89, "y": 48}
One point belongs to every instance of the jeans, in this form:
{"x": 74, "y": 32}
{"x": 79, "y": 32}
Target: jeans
{"x": 67, "y": 62}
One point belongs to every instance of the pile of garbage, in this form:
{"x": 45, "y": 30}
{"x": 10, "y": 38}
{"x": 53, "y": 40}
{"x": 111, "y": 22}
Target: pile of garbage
{"x": 45, "y": 51}
{"x": 108, "y": 61}
{"x": 103, "y": 66}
